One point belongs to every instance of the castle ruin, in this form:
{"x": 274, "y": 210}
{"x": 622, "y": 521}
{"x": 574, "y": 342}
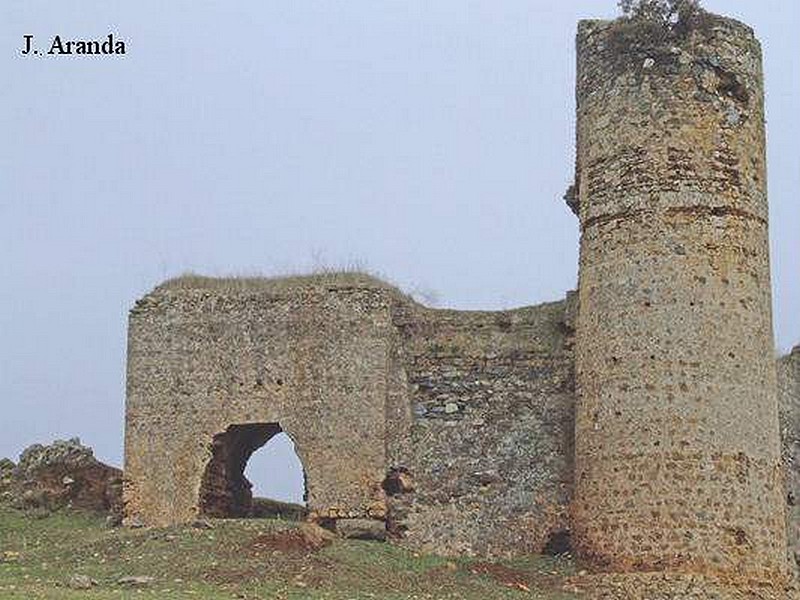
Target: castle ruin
{"x": 677, "y": 421}
{"x": 637, "y": 417}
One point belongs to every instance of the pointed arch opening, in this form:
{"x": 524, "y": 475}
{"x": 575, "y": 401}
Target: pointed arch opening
{"x": 227, "y": 491}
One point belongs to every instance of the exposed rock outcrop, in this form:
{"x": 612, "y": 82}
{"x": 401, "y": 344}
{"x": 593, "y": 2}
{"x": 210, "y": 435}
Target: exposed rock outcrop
{"x": 6, "y": 478}
{"x": 63, "y": 474}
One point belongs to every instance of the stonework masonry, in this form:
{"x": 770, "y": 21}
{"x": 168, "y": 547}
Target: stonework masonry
{"x": 789, "y": 403}
{"x": 677, "y": 441}
{"x": 490, "y": 446}
{"x": 474, "y": 408}
{"x": 642, "y": 421}
{"x": 460, "y": 441}
{"x": 314, "y": 362}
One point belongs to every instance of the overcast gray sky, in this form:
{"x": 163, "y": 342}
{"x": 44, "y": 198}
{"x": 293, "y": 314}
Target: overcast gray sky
{"x": 430, "y": 141}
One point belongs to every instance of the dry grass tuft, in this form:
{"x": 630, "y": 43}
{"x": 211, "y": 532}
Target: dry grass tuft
{"x": 319, "y": 278}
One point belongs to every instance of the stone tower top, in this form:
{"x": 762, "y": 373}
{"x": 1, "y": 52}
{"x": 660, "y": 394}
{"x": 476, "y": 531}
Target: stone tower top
{"x": 700, "y": 85}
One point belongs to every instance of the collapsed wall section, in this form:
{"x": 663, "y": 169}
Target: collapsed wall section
{"x": 489, "y": 454}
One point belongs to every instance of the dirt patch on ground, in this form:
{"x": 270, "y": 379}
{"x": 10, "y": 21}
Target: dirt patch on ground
{"x": 288, "y": 555}
{"x": 296, "y": 567}
{"x": 515, "y": 578}
{"x": 290, "y": 542}
{"x": 305, "y": 539}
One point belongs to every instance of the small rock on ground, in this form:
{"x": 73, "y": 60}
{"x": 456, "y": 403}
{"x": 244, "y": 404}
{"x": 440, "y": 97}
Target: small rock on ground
{"x": 81, "y": 582}
{"x": 135, "y": 581}
{"x": 202, "y": 524}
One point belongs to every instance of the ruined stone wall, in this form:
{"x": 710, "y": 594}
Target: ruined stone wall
{"x": 454, "y": 427}
{"x": 490, "y": 449}
{"x": 203, "y": 357}
{"x": 677, "y": 448}
{"x": 789, "y": 403}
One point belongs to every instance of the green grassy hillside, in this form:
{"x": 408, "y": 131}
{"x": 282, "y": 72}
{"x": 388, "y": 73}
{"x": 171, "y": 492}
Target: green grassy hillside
{"x": 54, "y": 557}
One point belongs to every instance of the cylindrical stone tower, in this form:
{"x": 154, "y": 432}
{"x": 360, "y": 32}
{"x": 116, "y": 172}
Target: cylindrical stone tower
{"x": 677, "y": 441}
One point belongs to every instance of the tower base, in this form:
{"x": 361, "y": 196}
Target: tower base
{"x": 673, "y": 586}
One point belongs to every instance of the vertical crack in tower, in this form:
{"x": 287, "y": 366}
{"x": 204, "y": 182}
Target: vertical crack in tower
{"x": 677, "y": 441}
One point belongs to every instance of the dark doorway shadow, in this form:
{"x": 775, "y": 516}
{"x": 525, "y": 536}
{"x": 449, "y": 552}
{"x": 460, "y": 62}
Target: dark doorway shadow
{"x": 225, "y": 491}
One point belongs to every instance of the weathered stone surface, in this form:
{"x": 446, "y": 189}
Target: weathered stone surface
{"x": 398, "y": 481}
{"x": 7, "y": 467}
{"x": 216, "y": 368}
{"x": 361, "y": 529}
{"x": 214, "y": 371}
{"x": 62, "y": 453}
{"x": 670, "y": 586}
{"x": 495, "y": 476}
{"x": 789, "y": 404}
{"x": 64, "y": 474}
{"x": 677, "y": 464}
